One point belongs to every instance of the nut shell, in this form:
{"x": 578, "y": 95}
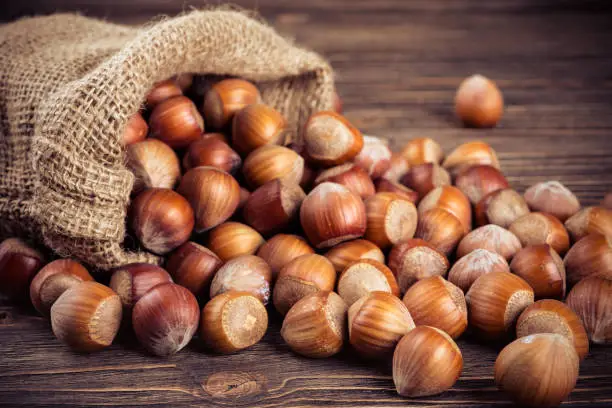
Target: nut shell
{"x": 193, "y": 266}
{"x": 441, "y": 229}
{"x": 330, "y": 139}
{"x": 255, "y": 126}
{"x": 591, "y": 300}
{"x": 451, "y": 199}
{"x": 590, "y": 220}
{"x": 19, "y": 263}
{"x": 247, "y": 273}
{"x": 422, "y": 150}
{"x": 592, "y": 255}
{"x": 374, "y": 157}
{"x": 345, "y": 253}
{"x": 541, "y": 228}
{"x": 233, "y": 239}
{"x": 269, "y": 162}
{"x": 161, "y": 91}
{"x": 478, "y": 262}
{"x": 135, "y": 131}
{"x": 281, "y": 249}
{"x": 479, "y": 102}
{"x": 423, "y": 178}
{"x": 553, "y": 198}
{"x": 390, "y": 219}
{"x": 176, "y": 122}
{"x": 351, "y": 176}
{"x": 490, "y": 237}
{"x": 479, "y": 180}
{"x": 212, "y": 152}
{"x": 543, "y": 270}
{"x": 501, "y": 207}
{"x": 132, "y": 281}
{"x": 154, "y": 165}
{"x": 227, "y": 97}
{"x": 470, "y": 154}
{"x": 387, "y": 186}
{"x": 364, "y": 276}
{"x": 415, "y": 259}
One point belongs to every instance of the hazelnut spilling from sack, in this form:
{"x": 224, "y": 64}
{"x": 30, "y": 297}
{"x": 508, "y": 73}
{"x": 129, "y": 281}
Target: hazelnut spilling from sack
{"x": 69, "y": 84}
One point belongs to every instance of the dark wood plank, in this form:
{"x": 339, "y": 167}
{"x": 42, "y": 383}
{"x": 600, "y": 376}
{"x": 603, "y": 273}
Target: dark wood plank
{"x": 398, "y": 64}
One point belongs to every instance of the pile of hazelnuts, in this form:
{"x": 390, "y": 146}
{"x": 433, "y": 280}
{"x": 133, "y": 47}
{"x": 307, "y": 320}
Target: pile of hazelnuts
{"x": 394, "y": 254}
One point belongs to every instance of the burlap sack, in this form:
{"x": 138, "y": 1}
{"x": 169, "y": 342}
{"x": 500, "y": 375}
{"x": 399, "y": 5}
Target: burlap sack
{"x": 68, "y": 85}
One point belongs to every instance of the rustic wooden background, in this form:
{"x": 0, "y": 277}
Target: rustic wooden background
{"x": 398, "y": 64}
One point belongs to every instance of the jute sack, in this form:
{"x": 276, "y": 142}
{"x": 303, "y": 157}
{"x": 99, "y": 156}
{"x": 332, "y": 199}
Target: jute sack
{"x": 68, "y": 85}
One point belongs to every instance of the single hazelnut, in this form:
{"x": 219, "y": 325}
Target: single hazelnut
{"x": 376, "y": 324}
{"x": 490, "y": 237}
{"x": 501, "y": 207}
{"x": 154, "y": 164}
{"x": 475, "y": 264}
{"x": 212, "y": 152}
{"x": 451, "y": 199}
{"x": 422, "y": 150}
{"x": 54, "y": 279}
{"x": 415, "y": 259}
{"x": 438, "y": 303}
{"x": 351, "y": 176}
{"x": 441, "y": 229}
{"x": 479, "y": 102}
{"x": 426, "y": 362}
{"x": 345, "y": 253}
{"x": 592, "y": 255}
{"x": 390, "y": 219}
{"x": 364, "y": 276}
{"x": 302, "y": 276}
{"x": 184, "y": 81}
{"x": 162, "y": 91}
{"x": 176, "y": 122}
{"x": 233, "y": 321}
{"x": 132, "y": 281}
{"x": 269, "y": 162}
{"x": 330, "y": 139}
{"x": 479, "y": 180}
{"x": 87, "y": 316}
{"x": 213, "y": 194}
{"x": 590, "y": 220}
{"x": 541, "y": 228}
{"x": 538, "y": 370}
{"x": 247, "y": 273}
{"x": 161, "y": 219}
{"x": 542, "y": 269}
{"x": 135, "y": 131}
{"x": 591, "y": 300}
{"x": 553, "y": 316}
{"x": 316, "y": 325}
{"x": 165, "y": 319}
{"x": 398, "y": 167}
{"x": 331, "y": 214}
{"x": 193, "y": 266}
{"x": 227, "y": 97}
{"x": 374, "y": 157}
{"x": 495, "y": 301}
{"x": 233, "y": 239}
{"x": 19, "y": 263}
{"x": 425, "y": 177}
{"x": 470, "y": 154}
{"x": 387, "y": 186}
{"x": 553, "y": 198}
{"x": 255, "y": 126}
{"x": 281, "y": 249}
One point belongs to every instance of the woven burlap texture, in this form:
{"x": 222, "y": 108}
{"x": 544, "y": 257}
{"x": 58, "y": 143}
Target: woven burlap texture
{"x": 68, "y": 85}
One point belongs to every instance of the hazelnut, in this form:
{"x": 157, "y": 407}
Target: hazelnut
{"x": 233, "y": 239}
{"x": 233, "y": 321}
{"x": 552, "y": 316}
{"x": 19, "y": 263}
{"x": 470, "y": 154}
{"x": 374, "y": 157}
{"x": 501, "y": 207}
{"x": 387, "y": 186}
{"x": 330, "y": 139}
{"x": 227, "y": 97}
{"x": 390, "y": 219}
{"x": 316, "y": 325}
{"x": 607, "y": 201}
{"x": 541, "y": 228}
{"x": 86, "y": 317}
{"x": 273, "y": 206}
{"x": 176, "y": 122}
{"x": 247, "y": 273}
{"x": 132, "y": 281}
{"x": 364, "y": 276}
{"x": 470, "y": 267}
{"x": 331, "y": 214}
{"x": 422, "y": 150}
{"x": 184, "y": 81}
{"x": 255, "y": 126}
{"x": 162, "y": 91}
{"x": 154, "y": 164}
{"x": 193, "y": 266}
{"x": 542, "y": 269}
{"x": 376, "y": 324}
{"x": 398, "y": 167}
{"x": 345, "y": 253}
{"x": 590, "y": 220}
{"x": 441, "y": 229}
{"x": 161, "y": 219}
{"x": 423, "y": 178}
{"x": 269, "y": 162}
{"x": 538, "y": 370}
{"x": 591, "y": 300}
{"x": 491, "y": 237}
{"x": 213, "y": 194}
{"x": 592, "y": 255}
{"x": 479, "y": 180}
{"x": 136, "y": 130}
{"x": 495, "y": 301}
{"x": 243, "y": 197}
{"x": 350, "y": 176}
{"x": 438, "y": 303}
{"x": 451, "y": 199}
{"x": 211, "y": 151}
{"x": 165, "y": 319}
{"x": 281, "y": 249}
{"x": 553, "y": 198}
{"x": 426, "y": 362}
{"x": 54, "y": 279}
{"x": 415, "y": 259}
{"x": 302, "y": 276}
{"x": 479, "y": 102}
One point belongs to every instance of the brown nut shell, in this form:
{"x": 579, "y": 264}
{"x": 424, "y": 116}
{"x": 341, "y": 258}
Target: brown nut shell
{"x": 490, "y": 237}
{"x": 416, "y": 259}
{"x": 543, "y": 270}
{"x": 233, "y": 239}
{"x": 345, "y": 253}
{"x": 553, "y": 198}
{"x": 471, "y": 266}
{"x": 591, "y": 300}
{"x": 590, "y": 220}
{"x": 247, "y": 273}
{"x": 19, "y": 263}
{"x": 541, "y": 228}
{"x": 390, "y": 219}
{"x": 281, "y": 249}
{"x": 364, "y": 276}
{"x": 592, "y": 255}
{"x": 441, "y": 229}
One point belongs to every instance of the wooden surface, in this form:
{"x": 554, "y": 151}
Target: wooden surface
{"x": 398, "y": 65}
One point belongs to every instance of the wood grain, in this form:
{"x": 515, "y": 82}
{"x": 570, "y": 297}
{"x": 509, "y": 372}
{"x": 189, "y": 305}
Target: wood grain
{"x": 398, "y": 64}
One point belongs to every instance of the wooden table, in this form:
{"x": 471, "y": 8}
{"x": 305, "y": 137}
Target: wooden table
{"x": 398, "y": 64}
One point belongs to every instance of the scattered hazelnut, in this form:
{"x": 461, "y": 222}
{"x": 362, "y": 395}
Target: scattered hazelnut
{"x": 387, "y": 186}
{"x": 136, "y": 130}
{"x": 227, "y": 97}
{"x": 330, "y": 139}
{"x": 451, "y": 199}
{"x": 233, "y": 239}
{"x": 425, "y": 177}
{"x": 364, "y": 276}
{"x": 162, "y": 91}
{"x": 351, "y": 176}
{"x": 441, "y": 229}
{"x": 479, "y": 102}
{"x": 255, "y": 126}
{"x": 269, "y": 162}
{"x": 590, "y": 220}
{"x": 211, "y": 151}
{"x": 176, "y": 122}
{"x": 247, "y": 273}
{"x": 491, "y": 237}
{"x": 592, "y": 255}
{"x": 501, "y": 207}
{"x": 542, "y": 269}
{"x": 19, "y": 263}
{"x": 132, "y": 281}
{"x": 193, "y": 266}
{"x": 422, "y": 150}
{"x": 398, "y": 167}
{"x": 470, "y": 154}
{"x": 390, "y": 219}
{"x": 374, "y": 157}
{"x": 479, "y": 180}
{"x": 591, "y": 300}
{"x": 475, "y": 264}
{"x": 281, "y": 249}
{"x": 541, "y": 228}
{"x": 415, "y": 259}
{"x": 553, "y": 198}
{"x": 345, "y": 253}
{"x": 154, "y": 164}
